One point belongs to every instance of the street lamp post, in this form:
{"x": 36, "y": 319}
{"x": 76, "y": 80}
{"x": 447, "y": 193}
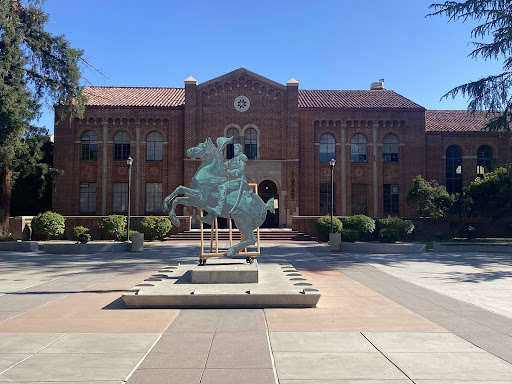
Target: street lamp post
{"x": 331, "y": 163}
{"x": 129, "y": 162}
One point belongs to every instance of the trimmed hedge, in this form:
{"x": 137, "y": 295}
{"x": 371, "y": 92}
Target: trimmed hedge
{"x": 359, "y": 223}
{"x": 115, "y": 226}
{"x": 77, "y": 231}
{"x": 349, "y": 235}
{"x": 392, "y": 229}
{"x": 130, "y": 234}
{"x": 48, "y": 224}
{"x": 323, "y": 226}
{"x": 155, "y": 227}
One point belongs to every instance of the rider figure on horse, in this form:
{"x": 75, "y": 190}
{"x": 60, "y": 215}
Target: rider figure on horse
{"x": 234, "y": 169}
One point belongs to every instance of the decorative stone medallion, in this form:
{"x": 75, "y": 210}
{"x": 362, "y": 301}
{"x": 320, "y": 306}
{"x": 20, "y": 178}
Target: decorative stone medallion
{"x": 359, "y": 172}
{"x": 242, "y": 103}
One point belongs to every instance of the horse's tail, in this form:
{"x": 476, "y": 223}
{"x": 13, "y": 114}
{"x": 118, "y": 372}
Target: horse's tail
{"x": 269, "y": 205}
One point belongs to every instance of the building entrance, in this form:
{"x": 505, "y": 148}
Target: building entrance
{"x": 268, "y": 189}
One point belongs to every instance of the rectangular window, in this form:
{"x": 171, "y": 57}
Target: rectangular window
{"x": 87, "y": 197}
{"x": 121, "y": 151}
{"x": 120, "y": 198}
{"x": 359, "y": 199}
{"x": 391, "y": 201}
{"x": 153, "y": 197}
{"x": 251, "y": 151}
{"x": 325, "y": 199}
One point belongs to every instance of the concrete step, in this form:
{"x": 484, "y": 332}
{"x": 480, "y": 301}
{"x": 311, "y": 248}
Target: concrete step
{"x": 265, "y": 234}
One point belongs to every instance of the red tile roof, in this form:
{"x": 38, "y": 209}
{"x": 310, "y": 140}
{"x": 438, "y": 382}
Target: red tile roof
{"x": 309, "y": 98}
{"x": 135, "y": 97}
{"x": 455, "y": 121}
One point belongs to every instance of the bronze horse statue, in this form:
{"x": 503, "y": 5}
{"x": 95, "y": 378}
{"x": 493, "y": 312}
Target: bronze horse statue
{"x": 246, "y": 208}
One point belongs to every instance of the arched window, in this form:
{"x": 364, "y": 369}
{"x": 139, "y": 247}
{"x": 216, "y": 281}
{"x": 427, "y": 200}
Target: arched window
{"x": 230, "y": 148}
{"x": 358, "y": 149}
{"x": 483, "y": 160}
{"x": 390, "y": 148}
{"x": 154, "y": 146}
{"x": 89, "y": 146}
{"x": 453, "y": 169}
{"x": 121, "y": 146}
{"x": 327, "y": 148}
{"x": 251, "y": 143}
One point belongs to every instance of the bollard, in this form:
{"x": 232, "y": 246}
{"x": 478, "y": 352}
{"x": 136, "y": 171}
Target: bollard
{"x": 137, "y": 242}
{"x": 335, "y": 242}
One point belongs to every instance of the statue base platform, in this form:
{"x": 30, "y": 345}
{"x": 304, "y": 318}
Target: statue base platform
{"x": 225, "y": 271}
{"x": 279, "y": 285}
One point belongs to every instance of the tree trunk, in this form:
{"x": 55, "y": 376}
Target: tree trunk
{"x": 5, "y": 201}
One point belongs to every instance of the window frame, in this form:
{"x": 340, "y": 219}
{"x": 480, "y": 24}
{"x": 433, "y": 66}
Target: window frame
{"x": 122, "y": 195}
{"x": 154, "y": 148}
{"x": 327, "y": 148}
{"x": 324, "y": 206}
{"x": 87, "y": 198}
{"x": 121, "y": 147}
{"x": 230, "y": 148}
{"x": 391, "y": 199}
{"x": 358, "y": 148}
{"x": 483, "y": 161}
{"x": 86, "y": 141}
{"x": 453, "y": 172}
{"x": 251, "y": 143}
{"x": 390, "y": 148}
{"x": 154, "y": 198}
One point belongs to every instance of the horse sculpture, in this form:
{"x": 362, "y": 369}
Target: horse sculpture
{"x": 246, "y": 208}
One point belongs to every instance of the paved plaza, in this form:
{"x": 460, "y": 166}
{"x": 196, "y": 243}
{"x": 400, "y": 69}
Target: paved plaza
{"x": 433, "y": 318}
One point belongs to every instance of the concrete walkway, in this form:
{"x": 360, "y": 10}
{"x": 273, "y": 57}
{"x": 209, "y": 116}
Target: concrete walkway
{"x": 381, "y": 319}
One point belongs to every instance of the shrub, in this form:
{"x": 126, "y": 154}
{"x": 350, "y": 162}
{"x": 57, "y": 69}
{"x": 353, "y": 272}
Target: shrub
{"x": 48, "y": 224}
{"x": 323, "y": 226}
{"x": 115, "y": 226}
{"x": 130, "y": 234}
{"x": 155, "y": 227}
{"x": 359, "y": 223}
{"x": 393, "y": 229}
{"x": 389, "y": 235}
{"x": 77, "y": 231}
{"x": 349, "y": 235}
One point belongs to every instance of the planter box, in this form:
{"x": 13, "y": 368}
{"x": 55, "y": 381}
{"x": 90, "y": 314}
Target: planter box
{"x": 382, "y": 248}
{"x": 18, "y": 246}
{"x": 85, "y": 249}
{"x": 468, "y": 247}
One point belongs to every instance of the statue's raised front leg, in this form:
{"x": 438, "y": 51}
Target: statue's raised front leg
{"x": 181, "y": 190}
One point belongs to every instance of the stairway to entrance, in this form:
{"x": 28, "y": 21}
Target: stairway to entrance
{"x": 265, "y": 234}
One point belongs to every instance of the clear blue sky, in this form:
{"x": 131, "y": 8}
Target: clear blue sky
{"x": 323, "y": 44}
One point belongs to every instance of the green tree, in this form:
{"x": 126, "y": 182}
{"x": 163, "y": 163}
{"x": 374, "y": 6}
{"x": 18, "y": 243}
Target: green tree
{"x": 33, "y": 175}
{"x": 491, "y": 196}
{"x": 491, "y": 93}
{"x": 35, "y": 67}
{"x": 430, "y": 198}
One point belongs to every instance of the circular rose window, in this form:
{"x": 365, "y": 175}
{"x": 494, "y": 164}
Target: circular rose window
{"x": 242, "y": 103}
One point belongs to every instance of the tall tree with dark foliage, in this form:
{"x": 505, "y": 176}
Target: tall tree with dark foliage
{"x": 35, "y": 67}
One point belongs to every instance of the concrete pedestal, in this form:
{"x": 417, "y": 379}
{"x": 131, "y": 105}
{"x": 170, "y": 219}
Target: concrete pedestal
{"x": 225, "y": 271}
{"x": 137, "y": 242}
{"x": 335, "y": 241}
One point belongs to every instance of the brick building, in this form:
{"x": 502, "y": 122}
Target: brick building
{"x": 380, "y": 140}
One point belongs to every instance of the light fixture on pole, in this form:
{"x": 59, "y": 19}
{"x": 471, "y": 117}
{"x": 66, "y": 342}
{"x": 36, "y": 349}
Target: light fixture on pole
{"x": 129, "y": 162}
{"x": 331, "y": 163}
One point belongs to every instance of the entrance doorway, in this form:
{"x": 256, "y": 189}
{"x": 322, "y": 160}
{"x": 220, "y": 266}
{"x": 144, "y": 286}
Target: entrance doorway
{"x": 268, "y": 189}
